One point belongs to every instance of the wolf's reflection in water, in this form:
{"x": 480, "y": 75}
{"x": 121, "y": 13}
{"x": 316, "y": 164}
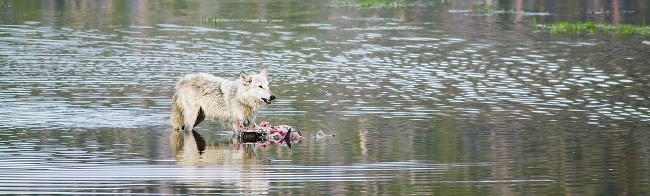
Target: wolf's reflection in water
{"x": 236, "y": 166}
{"x": 196, "y": 151}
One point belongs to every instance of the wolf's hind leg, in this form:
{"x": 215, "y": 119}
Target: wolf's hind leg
{"x": 176, "y": 117}
{"x": 191, "y": 114}
{"x": 199, "y": 118}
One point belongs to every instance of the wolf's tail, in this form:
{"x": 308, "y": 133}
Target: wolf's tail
{"x": 177, "y": 114}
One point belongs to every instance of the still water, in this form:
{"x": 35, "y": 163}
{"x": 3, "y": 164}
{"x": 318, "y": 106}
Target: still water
{"x": 426, "y": 98}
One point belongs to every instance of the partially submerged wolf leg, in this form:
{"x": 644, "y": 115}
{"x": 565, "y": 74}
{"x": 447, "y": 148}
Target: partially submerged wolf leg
{"x": 248, "y": 123}
{"x": 199, "y": 118}
{"x": 190, "y": 118}
{"x": 176, "y": 117}
{"x": 238, "y": 126}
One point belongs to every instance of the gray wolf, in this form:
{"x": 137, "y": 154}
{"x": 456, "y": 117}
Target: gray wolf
{"x": 202, "y": 95}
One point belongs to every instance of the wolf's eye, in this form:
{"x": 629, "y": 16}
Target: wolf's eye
{"x": 260, "y": 86}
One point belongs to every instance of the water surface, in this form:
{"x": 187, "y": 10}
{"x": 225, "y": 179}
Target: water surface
{"x": 426, "y": 98}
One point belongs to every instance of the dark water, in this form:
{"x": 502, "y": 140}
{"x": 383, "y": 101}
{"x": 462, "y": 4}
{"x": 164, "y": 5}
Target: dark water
{"x": 424, "y": 99}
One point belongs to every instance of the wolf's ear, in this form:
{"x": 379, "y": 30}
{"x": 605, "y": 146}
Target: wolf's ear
{"x": 245, "y": 78}
{"x": 263, "y": 72}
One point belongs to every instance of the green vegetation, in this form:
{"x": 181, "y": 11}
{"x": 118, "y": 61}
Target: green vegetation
{"x": 484, "y": 11}
{"x": 374, "y": 3}
{"x": 591, "y": 28}
{"x": 382, "y": 3}
{"x": 490, "y": 11}
{"x": 219, "y": 19}
{"x": 534, "y": 23}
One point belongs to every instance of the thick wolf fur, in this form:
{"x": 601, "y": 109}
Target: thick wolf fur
{"x": 202, "y": 95}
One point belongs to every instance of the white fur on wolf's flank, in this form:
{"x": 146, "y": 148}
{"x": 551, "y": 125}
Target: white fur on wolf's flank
{"x": 220, "y": 99}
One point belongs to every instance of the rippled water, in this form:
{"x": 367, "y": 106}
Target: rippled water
{"x": 422, "y": 99}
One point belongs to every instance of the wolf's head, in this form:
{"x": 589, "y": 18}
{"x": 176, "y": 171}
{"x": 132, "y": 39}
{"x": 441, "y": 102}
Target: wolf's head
{"x": 257, "y": 86}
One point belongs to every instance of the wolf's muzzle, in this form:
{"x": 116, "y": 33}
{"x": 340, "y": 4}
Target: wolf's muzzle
{"x": 268, "y": 101}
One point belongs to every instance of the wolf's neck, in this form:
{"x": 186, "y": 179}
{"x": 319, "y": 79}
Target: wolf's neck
{"x": 249, "y": 102}
{"x": 249, "y": 107}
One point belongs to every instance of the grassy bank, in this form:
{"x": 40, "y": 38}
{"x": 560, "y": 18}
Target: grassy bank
{"x": 374, "y": 3}
{"x": 591, "y": 28}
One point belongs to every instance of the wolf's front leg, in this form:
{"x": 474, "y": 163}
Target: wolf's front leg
{"x": 248, "y": 123}
{"x": 240, "y": 125}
